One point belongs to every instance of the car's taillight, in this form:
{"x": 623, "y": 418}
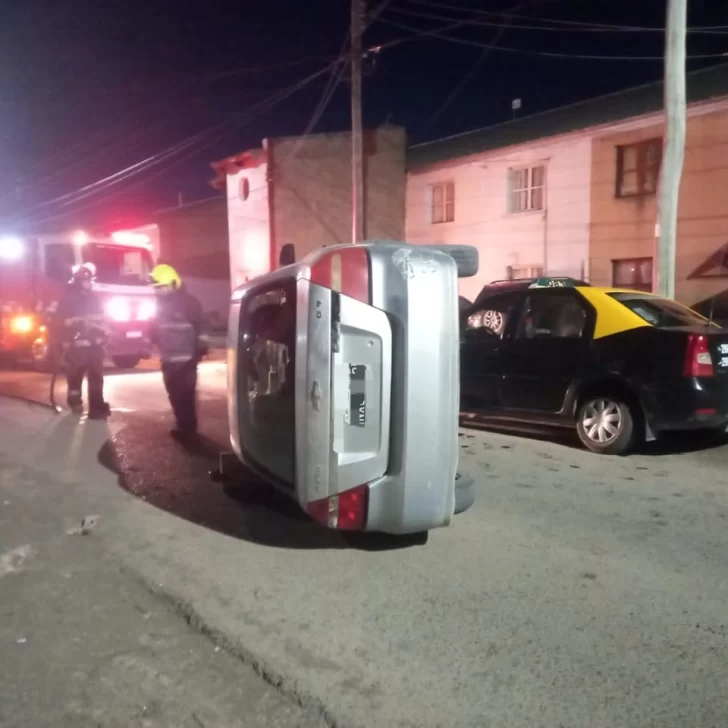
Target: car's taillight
{"x": 346, "y": 511}
{"x": 698, "y": 362}
{"x": 345, "y": 270}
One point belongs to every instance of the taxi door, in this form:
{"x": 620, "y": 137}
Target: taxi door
{"x": 485, "y": 337}
{"x": 550, "y": 350}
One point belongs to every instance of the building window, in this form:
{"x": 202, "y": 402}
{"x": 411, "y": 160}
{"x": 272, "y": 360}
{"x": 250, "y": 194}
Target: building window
{"x": 244, "y": 189}
{"x": 527, "y": 187}
{"x": 633, "y": 273}
{"x": 638, "y": 168}
{"x": 443, "y": 202}
{"x": 519, "y": 272}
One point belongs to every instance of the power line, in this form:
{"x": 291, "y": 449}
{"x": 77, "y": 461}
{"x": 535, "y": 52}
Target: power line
{"x": 377, "y": 12}
{"x": 478, "y": 63}
{"x": 144, "y": 165}
{"x": 440, "y": 33}
{"x": 576, "y": 24}
{"x": 113, "y": 179}
{"x": 157, "y": 102}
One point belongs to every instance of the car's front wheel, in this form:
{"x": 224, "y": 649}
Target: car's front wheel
{"x": 606, "y": 425}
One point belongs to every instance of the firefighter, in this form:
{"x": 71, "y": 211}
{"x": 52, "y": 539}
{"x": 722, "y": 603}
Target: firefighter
{"x": 81, "y": 329}
{"x": 178, "y": 334}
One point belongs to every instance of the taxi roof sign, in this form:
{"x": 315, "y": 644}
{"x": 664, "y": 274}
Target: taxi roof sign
{"x": 553, "y": 283}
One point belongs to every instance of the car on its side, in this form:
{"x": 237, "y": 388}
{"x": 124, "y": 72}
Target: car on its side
{"x": 619, "y": 366}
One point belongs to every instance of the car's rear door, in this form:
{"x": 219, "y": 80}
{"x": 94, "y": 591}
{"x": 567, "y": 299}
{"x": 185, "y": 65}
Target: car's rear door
{"x": 550, "y": 351}
{"x": 485, "y": 335}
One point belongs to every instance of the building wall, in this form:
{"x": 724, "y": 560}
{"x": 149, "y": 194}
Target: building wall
{"x": 625, "y": 228}
{"x": 249, "y": 222}
{"x": 555, "y": 239}
{"x": 312, "y": 203}
{"x": 194, "y": 240}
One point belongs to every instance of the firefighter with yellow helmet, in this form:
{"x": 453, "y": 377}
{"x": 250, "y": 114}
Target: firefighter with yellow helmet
{"x": 179, "y": 336}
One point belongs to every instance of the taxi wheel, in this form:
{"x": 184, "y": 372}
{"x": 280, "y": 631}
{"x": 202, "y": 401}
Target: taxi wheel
{"x": 606, "y": 425}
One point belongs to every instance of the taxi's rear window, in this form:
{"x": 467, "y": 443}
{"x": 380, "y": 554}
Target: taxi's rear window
{"x": 659, "y": 311}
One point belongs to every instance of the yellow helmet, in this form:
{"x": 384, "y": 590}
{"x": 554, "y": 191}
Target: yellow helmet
{"x": 165, "y": 275}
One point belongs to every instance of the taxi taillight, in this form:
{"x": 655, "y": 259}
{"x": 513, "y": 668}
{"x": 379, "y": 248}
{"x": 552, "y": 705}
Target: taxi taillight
{"x": 345, "y": 511}
{"x": 345, "y": 270}
{"x": 698, "y": 362}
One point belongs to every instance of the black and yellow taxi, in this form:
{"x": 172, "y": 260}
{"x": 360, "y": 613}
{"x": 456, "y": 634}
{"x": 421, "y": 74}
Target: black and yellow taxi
{"x": 620, "y": 366}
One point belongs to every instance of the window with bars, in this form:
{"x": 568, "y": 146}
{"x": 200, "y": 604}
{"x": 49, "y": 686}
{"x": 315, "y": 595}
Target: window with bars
{"x": 638, "y": 168}
{"x": 443, "y": 202}
{"x": 527, "y": 188}
{"x": 632, "y": 273}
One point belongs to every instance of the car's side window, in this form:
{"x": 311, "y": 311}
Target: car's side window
{"x": 491, "y": 317}
{"x": 552, "y": 315}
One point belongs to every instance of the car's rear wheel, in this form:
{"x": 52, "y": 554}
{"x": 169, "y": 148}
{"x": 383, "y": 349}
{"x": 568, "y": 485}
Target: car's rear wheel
{"x": 606, "y": 424}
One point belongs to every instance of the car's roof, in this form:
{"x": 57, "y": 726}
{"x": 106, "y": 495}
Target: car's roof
{"x": 608, "y": 290}
{"x": 525, "y": 283}
{"x": 518, "y": 284}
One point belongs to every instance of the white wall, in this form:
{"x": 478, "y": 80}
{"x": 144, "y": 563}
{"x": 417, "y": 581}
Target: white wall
{"x": 248, "y": 225}
{"x": 557, "y": 239}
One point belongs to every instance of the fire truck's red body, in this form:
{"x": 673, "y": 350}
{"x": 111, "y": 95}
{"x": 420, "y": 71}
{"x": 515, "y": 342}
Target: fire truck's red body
{"x": 34, "y": 273}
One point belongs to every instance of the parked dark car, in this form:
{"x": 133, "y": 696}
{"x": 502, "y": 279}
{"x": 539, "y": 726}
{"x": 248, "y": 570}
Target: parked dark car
{"x": 619, "y": 366}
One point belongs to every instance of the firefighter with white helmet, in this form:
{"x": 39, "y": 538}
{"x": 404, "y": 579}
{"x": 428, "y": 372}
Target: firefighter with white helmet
{"x": 178, "y": 334}
{"x": 81, "y": 330}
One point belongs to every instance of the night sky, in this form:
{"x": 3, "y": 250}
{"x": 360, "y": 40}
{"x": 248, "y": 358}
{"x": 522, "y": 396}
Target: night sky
{"x": 88, "y": 89}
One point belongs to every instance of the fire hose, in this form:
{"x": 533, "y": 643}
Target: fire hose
{"x": 57, "y": 361}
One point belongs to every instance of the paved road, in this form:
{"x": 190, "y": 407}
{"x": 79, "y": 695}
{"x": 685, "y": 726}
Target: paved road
{"x": 578, "y": 591}
{"x": 83, "y": 644}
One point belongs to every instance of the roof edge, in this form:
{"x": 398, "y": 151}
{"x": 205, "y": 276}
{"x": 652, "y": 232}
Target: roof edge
{"x": 565, "y": 107}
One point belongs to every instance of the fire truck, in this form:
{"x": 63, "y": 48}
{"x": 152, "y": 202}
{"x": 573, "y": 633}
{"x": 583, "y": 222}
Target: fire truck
{"x": 34, "y": 272}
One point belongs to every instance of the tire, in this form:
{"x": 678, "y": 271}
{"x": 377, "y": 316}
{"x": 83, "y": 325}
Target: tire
{"x": 605, "y": 424}
{"x": 128, "y": 361}
{"x": 464, "y": 492}
{"x": 465, "y": 256}
{"x": 714, "y": 435}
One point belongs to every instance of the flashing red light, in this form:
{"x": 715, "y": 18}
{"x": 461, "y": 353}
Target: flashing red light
{"x": 698, "y": 362}
{"x": 129, "y": 237}
{"x": 346, "y": 511}
{"x": 345, "y": 270}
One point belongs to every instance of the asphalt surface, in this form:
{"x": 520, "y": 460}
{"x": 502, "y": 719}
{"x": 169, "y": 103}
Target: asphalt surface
{"x": 578, "y": 591}
{"x": 83, "y": 644}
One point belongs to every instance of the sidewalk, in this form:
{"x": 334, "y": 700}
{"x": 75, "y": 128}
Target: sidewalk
{"x": 83, "y": 642}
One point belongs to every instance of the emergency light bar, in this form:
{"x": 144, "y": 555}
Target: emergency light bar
{"x": 128, "y": 237}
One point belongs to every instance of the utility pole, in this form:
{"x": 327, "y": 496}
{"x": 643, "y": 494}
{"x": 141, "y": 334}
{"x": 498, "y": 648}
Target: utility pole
{"x": 674, "y": 145}
{"x": 357, "y": 145}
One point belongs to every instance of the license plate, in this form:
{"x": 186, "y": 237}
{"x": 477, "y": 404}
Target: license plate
{"x": 357, "y": 395}
{"x": 134, "y": 334}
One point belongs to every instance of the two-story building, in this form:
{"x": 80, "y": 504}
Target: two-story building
{"x": 572, "y": 192}
{"x": 298, "y": 190}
